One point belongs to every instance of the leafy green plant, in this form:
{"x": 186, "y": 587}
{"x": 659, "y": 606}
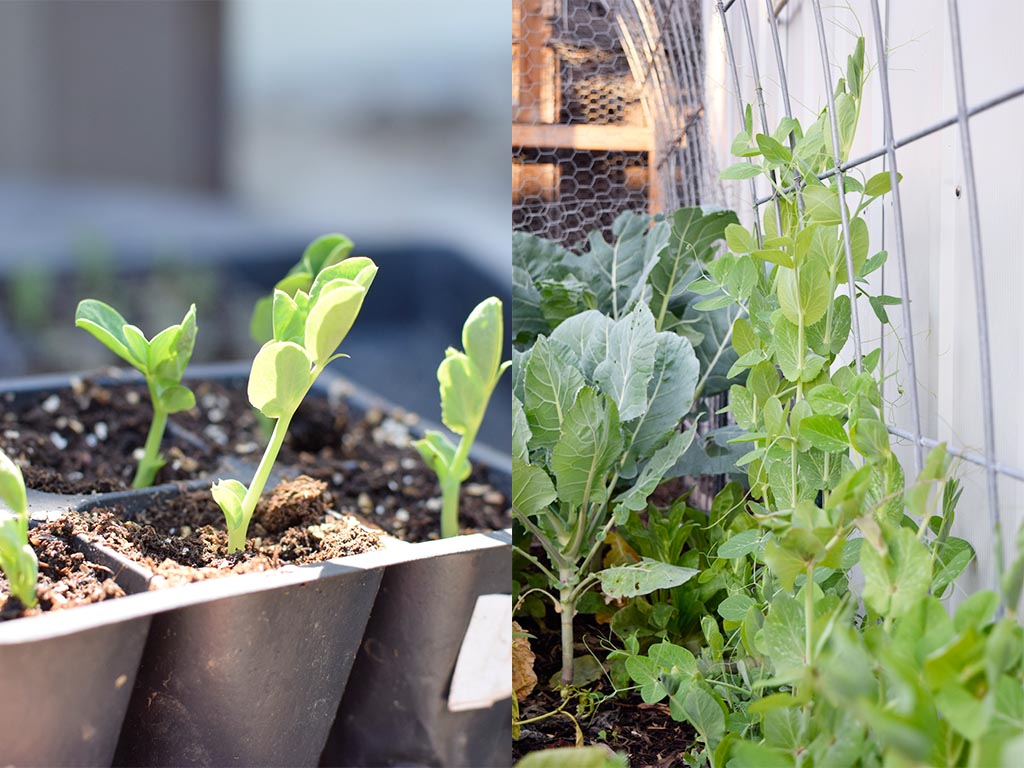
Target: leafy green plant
{"x": 467, "y": 379}
{"x": 650, "y": 261}
{"x": 308, "y": 326}
{"x": 595, "y": 429}
{"x": 162, "y": 360}
{"x": 17, "y": 559}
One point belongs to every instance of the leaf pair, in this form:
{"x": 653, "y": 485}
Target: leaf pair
{"x": 162, "y": 360}
{"x": 17, "y": 558}
{"x": 307, "y": 329}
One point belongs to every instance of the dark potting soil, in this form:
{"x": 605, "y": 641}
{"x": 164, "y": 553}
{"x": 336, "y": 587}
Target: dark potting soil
{"x": 66, "y": 578}
{"x": 645, "y": 732}
{"x": 183, "y": 539}
{"x": 367, "y": 460}
{"x": 82, "y": 440}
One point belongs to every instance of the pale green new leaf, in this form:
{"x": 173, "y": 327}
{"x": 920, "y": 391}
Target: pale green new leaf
{"x": 280, "y": 377}
{"x": 106, "y": 324}
{"x": 331, "y": 318}
{"x": 896, "y": 580}
{"x": 229, "y": 495}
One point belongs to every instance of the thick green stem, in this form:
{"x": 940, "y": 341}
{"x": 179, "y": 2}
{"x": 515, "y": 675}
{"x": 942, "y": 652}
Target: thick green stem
{"x": 236, "y": 535}
{"x": 567, "y": 598}
{"x": 151, "y": 460}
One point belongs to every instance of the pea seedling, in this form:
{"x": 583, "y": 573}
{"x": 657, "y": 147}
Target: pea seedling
{"x": 467, "y": 380}
{"x": 162, "y": 360}
{"x": 308, "y": 325}
{"x": 17, "y": 559}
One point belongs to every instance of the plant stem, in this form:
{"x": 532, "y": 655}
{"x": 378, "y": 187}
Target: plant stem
{"x": 151, "y": 460}
{"x": 568, "y": 602}
{"x": 809, "y": 617}
{"x": 451, "y": 487}
{"x": 236, "y": 536}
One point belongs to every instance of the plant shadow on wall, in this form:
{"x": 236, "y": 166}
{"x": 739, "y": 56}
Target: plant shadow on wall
{"x": 743, "y": 620}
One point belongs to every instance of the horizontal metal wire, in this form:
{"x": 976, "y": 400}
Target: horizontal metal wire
{"x": 910, "y": 138}
{"x": 972, "y": 456}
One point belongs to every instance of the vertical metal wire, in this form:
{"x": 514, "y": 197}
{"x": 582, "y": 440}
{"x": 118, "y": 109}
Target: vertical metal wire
{"x": 786, "y": 105}
{"x": 977, "y": 262}
{"x": 759, "y": 92}
{"x": 881, "y": 41}
{"x": 844, "y": 215}
{"x": 739, "y": 102}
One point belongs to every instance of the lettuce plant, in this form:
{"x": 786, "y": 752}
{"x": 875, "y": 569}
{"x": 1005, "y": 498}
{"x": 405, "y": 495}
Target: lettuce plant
{"x": 595, "y": 429}
{"x": 467, "y": 380}
{"x": 308, "y": 325}
{"x": 162, "y": 360}
{"x": 17, "y": 559}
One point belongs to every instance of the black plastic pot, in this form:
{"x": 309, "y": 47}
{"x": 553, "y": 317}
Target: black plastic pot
{"x": 250, "y": 670}
{"x": 66, "y": 678}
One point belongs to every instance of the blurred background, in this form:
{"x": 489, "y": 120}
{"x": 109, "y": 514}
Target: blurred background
{"x": 162, "y": 153}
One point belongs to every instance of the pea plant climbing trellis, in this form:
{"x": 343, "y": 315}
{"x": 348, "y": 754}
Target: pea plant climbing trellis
{"x": 952, "y": 227}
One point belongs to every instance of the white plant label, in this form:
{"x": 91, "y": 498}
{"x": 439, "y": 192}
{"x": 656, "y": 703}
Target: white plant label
{"x": 483, "y": 671}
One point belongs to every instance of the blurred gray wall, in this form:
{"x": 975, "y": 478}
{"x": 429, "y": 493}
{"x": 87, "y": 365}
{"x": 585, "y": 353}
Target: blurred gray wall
{"x": 113, "y": 91}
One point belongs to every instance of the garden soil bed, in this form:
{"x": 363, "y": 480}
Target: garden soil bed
{"x": 66, "y": 578}
{"x": 645, "y": 732}
{"x": 181, "y": 538}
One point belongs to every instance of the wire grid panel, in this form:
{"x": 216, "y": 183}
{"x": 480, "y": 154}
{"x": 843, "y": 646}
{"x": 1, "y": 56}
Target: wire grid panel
{"x": 607, "y": 113}
{"x": 940, "y": 108}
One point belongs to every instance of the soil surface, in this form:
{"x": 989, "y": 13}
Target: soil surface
{"x": 82, "y": 440}
{"x": 645, "y": 732}
{"x": 66, "y": 578}
{"x": 183, "y": 539}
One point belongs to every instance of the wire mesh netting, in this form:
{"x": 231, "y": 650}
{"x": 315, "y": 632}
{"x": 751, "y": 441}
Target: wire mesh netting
{"x": 607, "y": 113}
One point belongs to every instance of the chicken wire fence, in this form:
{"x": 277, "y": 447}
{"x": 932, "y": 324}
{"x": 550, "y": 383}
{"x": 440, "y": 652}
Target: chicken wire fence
{"x": 606, "y": 113}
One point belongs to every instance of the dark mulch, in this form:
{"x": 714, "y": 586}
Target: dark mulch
{"x": 645, "y": 732}
{"x": 66, "y": 578}
{"x": 183, "y": 538}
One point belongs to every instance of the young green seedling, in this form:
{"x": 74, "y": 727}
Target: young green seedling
{"x": 162, "y": 360}
{"x": 467, "y": 381}
{"x": 308, "y": 326}
{"x": 17, "y": 559}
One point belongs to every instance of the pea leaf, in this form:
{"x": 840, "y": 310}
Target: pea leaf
{"x": 642, "y": 578}
{"x": 280, "y": 377}
{"x": 331, "y": 317}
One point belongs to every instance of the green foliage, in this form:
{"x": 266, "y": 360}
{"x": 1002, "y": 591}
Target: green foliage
{"x": 467, "y": 380}
{"x": 595, "y": 421}
{"x": 162, "y": 360}
{"x": 17, "y": 559}
{"x": 651, "y": 260}
{"x": 574, "y": 757}
{"x": 312, "y": 311}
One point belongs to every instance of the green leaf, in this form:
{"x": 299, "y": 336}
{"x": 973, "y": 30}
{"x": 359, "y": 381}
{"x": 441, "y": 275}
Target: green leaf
{"x": 774, "y": 256}
{"x": 747, "y": 754}
{"x": 653, "y": 474}
{"x": 879, "y": 184}
{"x": 952, "y": 558}
{"x": 805, "y": 296}
{"x": 788, "y": 353}
{"x": 551, "y": 385}
{"x": 325, "y": 251}
{"x": 740, "y": 171}
{"x": 589, "y": 445}
{"x": 627, "y": 369}
{"x": 781, "y": 638}
{"x": 279, "y": 379}
{"x": 705, "y": 714}
{"x": 106, "y": 324}
{"x": 171, "y": 349}
{"x": 774, "y": 153}
{"x": 664, "y": 661}
{"x": 740, "y": 545}
{"x": 870, "y": 438}
{"x": 735, "y": 607}
{"x": 573, "y": 757}
{"x": 821, "y": 204}
{"x": 356, "y": 269}
{"x": 289, "y": 324}
{"x": 532, "y": 489}
{"x": 642, "y": 578}
{"x": 229, "y": 495}
{"x": 739, "y": 239}
{"x": 827, "y": 399}
{"x": 976, "y": 611}
{"x": 176, "y": 398}
{"x": 12, "y": 487}
{"x": 331, "y": 318}
{"x": 482, "y": 336}
{"x": 895, "y": 580}
{"x": 137, "y": 343}
{"x": 439, "y": 454}
{"x": 824, "y": 432}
